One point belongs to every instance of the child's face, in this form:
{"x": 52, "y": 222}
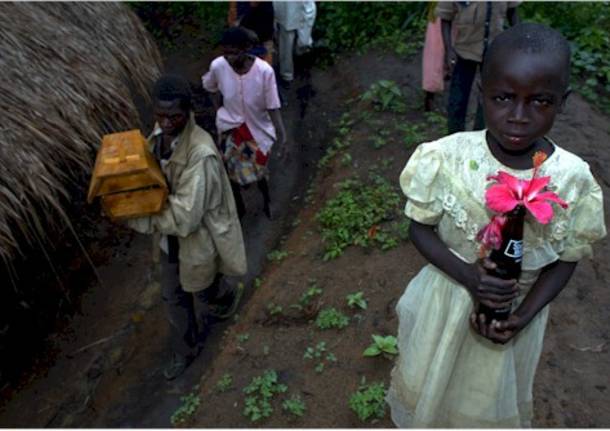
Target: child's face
{"x": 235, "y": 56}
{"x": 522, "y": 94}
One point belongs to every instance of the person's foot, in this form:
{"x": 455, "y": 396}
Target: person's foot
{"x": 225, "y": 306}
{"x": 284, "y": 91}
{"x": 176, "y": 366}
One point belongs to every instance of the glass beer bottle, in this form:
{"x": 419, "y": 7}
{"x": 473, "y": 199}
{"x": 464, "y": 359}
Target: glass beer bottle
{"x": 507, "y": 258}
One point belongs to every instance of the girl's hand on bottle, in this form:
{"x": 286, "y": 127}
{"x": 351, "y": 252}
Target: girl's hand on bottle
{"x": 491, "y": 291}
{"x": 499, "y": 332}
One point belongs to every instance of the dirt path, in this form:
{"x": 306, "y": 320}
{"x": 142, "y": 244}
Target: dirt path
{"x": 571, "y": 388}
{"x": 118, "y": 382}
{"x": 108, "y": 371}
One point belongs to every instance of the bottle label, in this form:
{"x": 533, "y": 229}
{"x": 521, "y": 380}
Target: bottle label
{"x": 514, "y": 249}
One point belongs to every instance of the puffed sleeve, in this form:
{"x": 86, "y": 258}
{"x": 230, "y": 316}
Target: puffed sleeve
{"x": 585, "y": 226}
{"x": 209, "y": 81}
{"x": 420, "y": 181}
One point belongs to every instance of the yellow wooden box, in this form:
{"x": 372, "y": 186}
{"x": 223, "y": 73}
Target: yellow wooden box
{"x": 127, "y": 177}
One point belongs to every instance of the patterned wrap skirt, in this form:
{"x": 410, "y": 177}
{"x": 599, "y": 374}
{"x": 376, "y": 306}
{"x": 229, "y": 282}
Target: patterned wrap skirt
{"x": 245, "y": 162}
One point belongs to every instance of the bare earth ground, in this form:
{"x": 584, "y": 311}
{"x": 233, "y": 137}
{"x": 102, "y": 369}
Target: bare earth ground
{"x": 118, "y": 381}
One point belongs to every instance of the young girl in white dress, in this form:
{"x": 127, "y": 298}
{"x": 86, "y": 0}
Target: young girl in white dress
{"x": 455, "y": 369}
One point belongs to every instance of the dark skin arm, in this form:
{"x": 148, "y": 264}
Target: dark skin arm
{"x": 450, "y": 55}
{"x": 484, "y": 288}
{"x": 552, "y": 280}
{"x": 217, "y": 103}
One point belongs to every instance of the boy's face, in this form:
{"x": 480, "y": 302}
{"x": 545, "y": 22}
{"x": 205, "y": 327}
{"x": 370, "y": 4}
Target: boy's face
{"x": 522, "y": 94}
{"x": 171, "y": 116}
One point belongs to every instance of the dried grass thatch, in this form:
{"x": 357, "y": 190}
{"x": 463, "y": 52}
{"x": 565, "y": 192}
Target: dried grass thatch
{"x": 67, "y": 70}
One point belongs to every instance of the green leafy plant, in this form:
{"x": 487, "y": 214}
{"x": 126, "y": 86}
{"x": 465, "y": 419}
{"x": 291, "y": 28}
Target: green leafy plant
{"x": 224, "y": 383}
{"x": 257, "y": 282}
{"x": 305, "y": 300}
{"x": 294, "y": 405}
{"x": 190, "y": 403}
{"x": 392, "y": 26}
{"x": 277, "y": 255}
{"x": 369, "y": 401}
{"x": 331, "y": 318}
{"x": 352, "y": 216}
{"x": 346, "y": 160}
{"x": 242, "y": 338}
{"x": 274, "y": 309}
{"x": 412, "y": 134}
{"x": 260, "y": 392}
{"x": 402, "y": 229}
{"x": 356, "y": 300}
{"x": 385, "y": 95}
{"x": 381, "y": 344}
{"x": 320, "y": 355}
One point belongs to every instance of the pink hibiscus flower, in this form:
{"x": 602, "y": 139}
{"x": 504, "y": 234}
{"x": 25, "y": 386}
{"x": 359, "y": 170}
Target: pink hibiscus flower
{"x": 491, "y": 234}
{"x": 509, "y": 191}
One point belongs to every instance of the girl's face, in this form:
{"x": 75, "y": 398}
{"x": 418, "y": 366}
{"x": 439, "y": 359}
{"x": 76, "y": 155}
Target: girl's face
{"x": 522, "y": 94}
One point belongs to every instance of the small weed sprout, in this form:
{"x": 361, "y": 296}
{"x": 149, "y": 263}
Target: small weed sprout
{"x": 387, "y": 345}
{"x": 242, "y": 338}
{"x": 224, "y": 383}
{"x": 356, "y": 300}
{"x": 379, "y": 142}
{"x": 331, "y": 318}
{"x": 369, "y": 401}
{"x": 274, "y": 309}
{"x": 277, "y": 255}
{"x": 294, "y": 405}
{"x": 260, "y": 392}
{"x": 312, "y": 291}
{"x": 257, "y": 282}
{"x": 317, "y": 354}
{"x": 190, "y": 403}
{"x": 385, "y": 95}
{"x": 346, "y": 160}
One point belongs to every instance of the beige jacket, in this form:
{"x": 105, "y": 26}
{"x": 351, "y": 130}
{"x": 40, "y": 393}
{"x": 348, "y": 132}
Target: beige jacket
{"x": 469, "y": 24}
{"x": 200, "y": 211}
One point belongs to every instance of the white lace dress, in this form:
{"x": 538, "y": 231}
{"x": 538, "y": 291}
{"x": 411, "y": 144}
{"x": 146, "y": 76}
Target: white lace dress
{"x": 446, "y": 375}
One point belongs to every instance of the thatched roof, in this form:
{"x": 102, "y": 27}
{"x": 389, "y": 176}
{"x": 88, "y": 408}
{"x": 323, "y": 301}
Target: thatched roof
{"x": 67, "y": 70}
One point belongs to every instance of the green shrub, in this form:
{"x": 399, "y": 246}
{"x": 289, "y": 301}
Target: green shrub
{"x": 353, "y": 215}
{"x": 369, "y": 401}
{"x": 331, "y": 318}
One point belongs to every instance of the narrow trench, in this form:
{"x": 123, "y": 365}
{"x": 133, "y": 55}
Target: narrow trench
{"x": 95, "y": 390}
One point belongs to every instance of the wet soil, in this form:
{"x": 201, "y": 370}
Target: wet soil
{"x": 108, "y": 369}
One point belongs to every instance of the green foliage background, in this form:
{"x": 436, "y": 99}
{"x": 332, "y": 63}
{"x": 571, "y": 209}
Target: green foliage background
{"x": 400, "y": 26}
{"x": 586, "y": 26}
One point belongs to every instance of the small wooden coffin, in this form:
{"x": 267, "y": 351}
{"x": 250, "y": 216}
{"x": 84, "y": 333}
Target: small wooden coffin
{"x": 127, "y": 177}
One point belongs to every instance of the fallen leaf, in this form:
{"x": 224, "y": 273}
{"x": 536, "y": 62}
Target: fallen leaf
{"x": 373, "y": 231}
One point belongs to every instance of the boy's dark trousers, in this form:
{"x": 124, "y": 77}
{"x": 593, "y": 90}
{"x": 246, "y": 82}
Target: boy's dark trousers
{"x": 186, "y": 332}
{"x": 462, "y": 78}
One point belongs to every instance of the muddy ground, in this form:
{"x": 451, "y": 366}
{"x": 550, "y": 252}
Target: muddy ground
{"x": 109, "y": 360}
